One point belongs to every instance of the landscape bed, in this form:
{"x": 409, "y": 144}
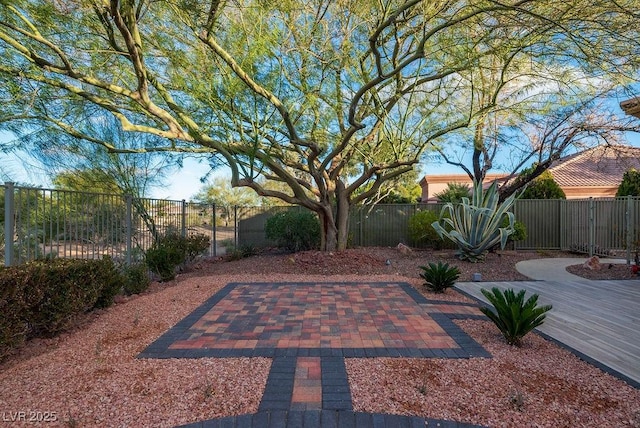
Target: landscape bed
{"x": 90, "y": 376}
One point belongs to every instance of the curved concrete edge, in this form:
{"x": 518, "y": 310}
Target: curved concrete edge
{"x": 555, "y": 269}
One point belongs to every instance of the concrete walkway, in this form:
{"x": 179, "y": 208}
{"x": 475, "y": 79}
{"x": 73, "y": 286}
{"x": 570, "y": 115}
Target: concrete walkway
{"x": 555, "y": 269}
{"x": 596, "y": 319}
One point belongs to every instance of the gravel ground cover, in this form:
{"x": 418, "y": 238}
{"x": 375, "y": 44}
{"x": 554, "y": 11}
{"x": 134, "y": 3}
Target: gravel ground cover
{"x": 90, "y": 376}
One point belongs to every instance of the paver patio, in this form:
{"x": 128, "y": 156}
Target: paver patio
{"x": 308, "y": 329}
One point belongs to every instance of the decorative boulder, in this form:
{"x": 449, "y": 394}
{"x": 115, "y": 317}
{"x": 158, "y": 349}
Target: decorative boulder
{"x": 592, "y": 264}
{"x": 404, "y": 249}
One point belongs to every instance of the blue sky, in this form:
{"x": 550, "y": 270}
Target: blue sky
{"x": 183, "y": 184}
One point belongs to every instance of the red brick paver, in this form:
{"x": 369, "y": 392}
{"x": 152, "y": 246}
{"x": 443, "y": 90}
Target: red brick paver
{"x": 317, "y": 316}
{"x": 307, "y": 385}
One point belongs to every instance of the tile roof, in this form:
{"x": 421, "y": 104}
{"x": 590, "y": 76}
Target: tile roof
{"x": 599, "y": 166}
{"x": 631, "y": 107}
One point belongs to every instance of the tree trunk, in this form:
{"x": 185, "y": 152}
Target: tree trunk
{"x": 328, "y": 229}
{"x": 334, "y": 225}
{"x": 342, "y": 220}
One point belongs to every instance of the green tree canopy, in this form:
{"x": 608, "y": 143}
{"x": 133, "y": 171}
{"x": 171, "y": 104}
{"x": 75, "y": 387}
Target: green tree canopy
{"x": 227, "y": 198}
{"x": 328, "y": 97}
{"x": 95, "y": 181}
{"x": 221, "y": 193}
{"x": 630, "y": 185}
{"x": 454, "y": 193}
{"x": 403, "y": 189}
{"x": 543, "y": 187}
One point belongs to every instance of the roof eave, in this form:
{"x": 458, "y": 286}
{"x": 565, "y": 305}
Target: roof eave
{"x": 631, "y": 107}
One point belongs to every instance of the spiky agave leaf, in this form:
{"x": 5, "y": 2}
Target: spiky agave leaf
{"x": 476, "y": 225}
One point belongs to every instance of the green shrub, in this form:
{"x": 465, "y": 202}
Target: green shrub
{"x": 438, "y": 278}
{"x": 519, "y": 230}
{"x": 196, "y": 245}
{"x": 294, "y": 230}
{"x": 13, "y": 306}
{"x": 136, "y": 278}
{"x": 543, "y": 187}
{"x": 69, "y": 288}
{"x": 422, "y": 233}
{"x": 630, "y": 185}
{"x": 241, "y": 252}
{"x": 454, "y": 193}
{"x": 163, "y": 258}
{"x": 513, "y": 316}
{"x": 43, "y": 297}
{"x": 61, "y": 296}
{"x": 228, "y": 244}
{"x": 173, "y": 250}
{"x": 107, "y": 275}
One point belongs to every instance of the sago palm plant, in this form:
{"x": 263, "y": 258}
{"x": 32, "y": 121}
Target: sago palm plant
{"x": 439, "y": 277}
{"x": 476, "y": 225}
{"x": 513, "y": 316}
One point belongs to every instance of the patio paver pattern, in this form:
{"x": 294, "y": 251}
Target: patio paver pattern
{"x": 308, "y": 329}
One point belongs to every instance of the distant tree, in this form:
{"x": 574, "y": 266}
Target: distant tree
{"x": 225, "y": 198}
{"x": 84, "y": 201}
{"x": 88, "y": 180}
{"x": 454, "y": 193}
{"x": 543, "y": 187}
{"x": 403, "y": 189}
{"x": 405, "y": 196}
{"x": 630, "y": 185}
{"x": 110, "y": 176}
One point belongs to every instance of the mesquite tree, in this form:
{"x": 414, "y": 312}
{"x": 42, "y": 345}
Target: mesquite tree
{"x": 329, "y": 98}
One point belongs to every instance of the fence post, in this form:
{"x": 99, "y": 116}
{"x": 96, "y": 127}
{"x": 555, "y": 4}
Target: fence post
{"x": 361, "y": 227}
{"x": 592, "y": 227}
{"x": 561, "y": 225}
{"x": 8, "y": 223}
{"x": 129, "y": 200}
{"x": 183, "y": 230}
{"x": 213, "y": 226}
{"x": 628, "y": 225}
{"x": 235, "y": 226}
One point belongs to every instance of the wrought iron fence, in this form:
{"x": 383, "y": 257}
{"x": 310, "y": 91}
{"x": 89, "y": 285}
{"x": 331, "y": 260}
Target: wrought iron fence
{"x": 60, "y": 223}
{"x": 39, "y": 223}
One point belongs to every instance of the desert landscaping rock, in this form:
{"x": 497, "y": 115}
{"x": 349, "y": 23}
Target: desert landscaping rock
{"x": 90, "y": 376}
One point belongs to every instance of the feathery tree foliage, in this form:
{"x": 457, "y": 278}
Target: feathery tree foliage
{"x": 327, "y": 97}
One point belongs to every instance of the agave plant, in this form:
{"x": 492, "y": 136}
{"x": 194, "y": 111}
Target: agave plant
{"x": 513, "y": 316}
{"x": 438, "y": 278}
{"x": 476, "y": 225}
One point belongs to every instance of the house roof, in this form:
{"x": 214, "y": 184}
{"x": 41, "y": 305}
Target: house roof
{"x": 599, "y": 166}
{"x": 458, "y": 178}
{"x": 631, "y": 107}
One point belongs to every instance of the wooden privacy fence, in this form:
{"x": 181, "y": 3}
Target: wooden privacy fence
{"x": 606, "y": 226}
{"x": 603, "y": 226}
{"x": 38, "y": 222}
